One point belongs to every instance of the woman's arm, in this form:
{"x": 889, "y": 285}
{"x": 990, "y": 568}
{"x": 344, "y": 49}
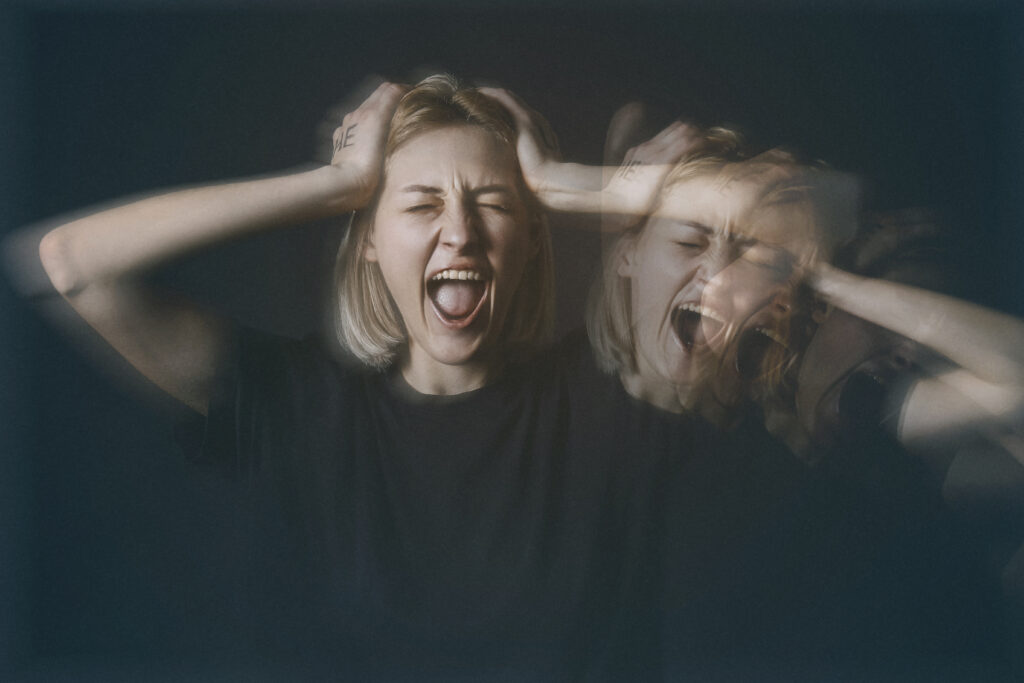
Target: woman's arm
{"x": 628, "y": 190}
{"x": 986, "y": 390}
{"x": 94, "y": 262}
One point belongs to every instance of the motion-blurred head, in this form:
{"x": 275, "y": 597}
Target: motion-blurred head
{"x": 853, "y": 374}
{"x": 696, "y": 301}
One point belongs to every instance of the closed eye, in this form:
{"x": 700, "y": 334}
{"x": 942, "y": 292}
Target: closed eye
{"x": 496, "y": 207}
{"x": 418, "y": 208}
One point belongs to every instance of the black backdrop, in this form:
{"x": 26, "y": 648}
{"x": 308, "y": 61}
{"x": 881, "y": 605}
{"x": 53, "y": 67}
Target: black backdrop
{"x": 114, "y": 554}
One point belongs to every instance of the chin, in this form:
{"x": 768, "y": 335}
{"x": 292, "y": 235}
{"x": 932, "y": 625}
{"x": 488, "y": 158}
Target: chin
{"x": 457, "y": 352}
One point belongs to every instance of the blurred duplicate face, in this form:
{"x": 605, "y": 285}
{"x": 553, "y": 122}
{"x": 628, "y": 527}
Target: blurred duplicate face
{"x": 451, "y": 240}
{"x": 713, "y": 261}
{"x": 850, "y": 366}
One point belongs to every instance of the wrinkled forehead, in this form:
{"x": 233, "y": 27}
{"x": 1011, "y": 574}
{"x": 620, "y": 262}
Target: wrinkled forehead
{"x": 754, "y": 199}
{"x": 460, "y": 151}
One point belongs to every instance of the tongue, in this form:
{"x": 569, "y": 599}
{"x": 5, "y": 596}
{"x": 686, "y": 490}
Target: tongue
{"x": 689, "y": 328}
{"x": 458, "y": 299}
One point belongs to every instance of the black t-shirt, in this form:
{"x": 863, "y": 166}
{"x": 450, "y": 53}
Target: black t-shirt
{"x": 506, "y": 533}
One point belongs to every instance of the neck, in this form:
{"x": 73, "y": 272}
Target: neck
{"x": 435, "y": 378}
{"x": 657, "y": 392}
{"x": 714, "y": 403}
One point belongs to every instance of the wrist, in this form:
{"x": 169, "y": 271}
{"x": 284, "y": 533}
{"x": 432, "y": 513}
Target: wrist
{"x": 830, "y": 282}
{"x": 341, "y": 189}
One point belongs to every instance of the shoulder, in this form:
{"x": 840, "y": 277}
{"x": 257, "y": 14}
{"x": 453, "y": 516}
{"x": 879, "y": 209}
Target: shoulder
{"x": 260, "y": 356}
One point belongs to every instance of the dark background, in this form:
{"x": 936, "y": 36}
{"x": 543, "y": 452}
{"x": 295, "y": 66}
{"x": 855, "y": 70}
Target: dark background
{"x": 113, "y": 554}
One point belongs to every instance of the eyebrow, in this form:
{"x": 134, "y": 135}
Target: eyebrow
{"x": 422, "y": 189}
{"x": 706, "y": 229}
{"x": 486, "y": 189}
{"x": 492, "y": 189}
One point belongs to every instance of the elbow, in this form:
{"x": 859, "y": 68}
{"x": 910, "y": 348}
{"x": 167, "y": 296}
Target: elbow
{"x": 53, "y": 254}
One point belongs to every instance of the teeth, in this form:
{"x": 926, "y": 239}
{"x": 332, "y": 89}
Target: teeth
{"x": 703, "y": 312}
{"x": 453, "y": 274}
{"x": 772, "y": 334}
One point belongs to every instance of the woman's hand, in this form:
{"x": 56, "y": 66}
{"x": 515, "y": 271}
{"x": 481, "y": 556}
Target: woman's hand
{"x": 536, "y": 143}
{"x": 631, "y": 192}
{"x": 358, "y": 143}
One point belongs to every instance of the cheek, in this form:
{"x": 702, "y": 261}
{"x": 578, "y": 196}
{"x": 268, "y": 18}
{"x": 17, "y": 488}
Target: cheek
{"x": 510, "y": 247}
{"x": 746, "y": 289}
{"x": 401, "y": 258}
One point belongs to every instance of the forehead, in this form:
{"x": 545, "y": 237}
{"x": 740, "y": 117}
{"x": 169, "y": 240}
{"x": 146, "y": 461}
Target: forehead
{"x": 460, "y": 153}
{"x": 742, "y": 199}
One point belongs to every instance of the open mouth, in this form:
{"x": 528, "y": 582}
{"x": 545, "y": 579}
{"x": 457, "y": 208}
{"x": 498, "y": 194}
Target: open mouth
{"x": 458, "y": 296}
{"x": 694, "y": 325}
{"x": 753, "y": 348}
{"x": 862, "y": 399}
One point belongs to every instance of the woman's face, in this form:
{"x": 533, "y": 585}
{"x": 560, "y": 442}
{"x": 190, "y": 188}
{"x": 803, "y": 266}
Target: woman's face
{"x": 700, "y": 275}
{"x": 849, "y": 366}
{"x": 451, "y": 240}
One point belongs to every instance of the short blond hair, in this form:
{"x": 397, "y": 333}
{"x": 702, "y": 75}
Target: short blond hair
{"x": 719, "y": 151}
{"x": 367, "y": 322}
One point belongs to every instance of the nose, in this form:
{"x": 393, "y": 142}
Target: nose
{"x": 782, "y": 302}
{"x": 712, "y": 262}
{"x": 458, "y": 227}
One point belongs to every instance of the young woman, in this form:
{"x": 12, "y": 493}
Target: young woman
{"x": 715, "y": 263}
{"x": 909, "y": 403}
{"x": 453, "y": 503}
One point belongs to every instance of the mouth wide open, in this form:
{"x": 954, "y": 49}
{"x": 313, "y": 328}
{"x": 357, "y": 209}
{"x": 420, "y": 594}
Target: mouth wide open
{"x": 458, "y": 296}
{"x": 692, "y": 324}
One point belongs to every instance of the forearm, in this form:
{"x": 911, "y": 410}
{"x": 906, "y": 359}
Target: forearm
{"x": 120, "y": 241}
{"x": 986, "y": 343}
{"x": 606, "y": 190}
{"x": 568, "y": 187}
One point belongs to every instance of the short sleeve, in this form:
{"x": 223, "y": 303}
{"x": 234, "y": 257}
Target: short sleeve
{"x": 245, "y": 403}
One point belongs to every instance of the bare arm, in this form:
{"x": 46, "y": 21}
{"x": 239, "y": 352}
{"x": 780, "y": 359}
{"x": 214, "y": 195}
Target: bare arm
{"x": 628, "y": 190}
{"x": 987, "y": 388}
{"x": 95, "y": 262}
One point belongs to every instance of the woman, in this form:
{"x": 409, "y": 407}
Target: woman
{"x": 909, "y": 403}
{"x": 440, "y": 507}
{"x": 955, "y": 369}
{"x": 716, "y": 262}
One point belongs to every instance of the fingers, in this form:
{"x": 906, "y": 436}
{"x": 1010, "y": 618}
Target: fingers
{"x": 385, "y": 96}
{"x": 381, "y": 103}
{"x": 667, "y": 147}
{"x": 373, "y": 100}
{"x": 521, "y": 112}
{"x": 625, "y": 128}
{"x": 528, "y": 120}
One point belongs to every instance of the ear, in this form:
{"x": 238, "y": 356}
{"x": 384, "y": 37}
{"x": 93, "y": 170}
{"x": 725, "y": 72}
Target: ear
{"x": 370, "y": 249}
{"x": 624, "y": 255}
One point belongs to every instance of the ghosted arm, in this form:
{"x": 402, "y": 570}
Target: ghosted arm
{"x": 984, "y": 392}
{"x": 627, "y": 190}
{"x": 96, "y": 262}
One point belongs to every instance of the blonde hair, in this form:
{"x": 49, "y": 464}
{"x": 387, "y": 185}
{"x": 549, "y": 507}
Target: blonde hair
{"x": 367, "y": 322}
{"x": 609, "y": 314}
{"x": 722, "y": 152}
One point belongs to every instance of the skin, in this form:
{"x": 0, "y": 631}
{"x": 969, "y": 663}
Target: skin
{"x": 451, "y": 200}
{"x": 882, "y": 322}
{"x": 95, "y": 261}
{"x": 842, "y": 345}
{"x": 702, "y": 248}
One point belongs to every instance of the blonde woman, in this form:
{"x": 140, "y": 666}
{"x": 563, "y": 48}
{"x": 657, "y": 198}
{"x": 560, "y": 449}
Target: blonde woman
{"x": 440, "y": 495}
